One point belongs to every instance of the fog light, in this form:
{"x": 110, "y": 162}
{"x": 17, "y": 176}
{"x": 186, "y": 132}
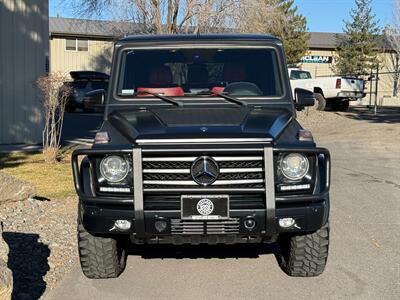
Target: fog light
{"x": 122, "y": 224}
{"x": 286, "y": 222}
{"x": 249, "y": 223}
{"x": 161, "y": 225}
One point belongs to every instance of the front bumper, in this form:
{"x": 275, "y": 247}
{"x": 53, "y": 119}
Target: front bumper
{"x": 98, "y": 214}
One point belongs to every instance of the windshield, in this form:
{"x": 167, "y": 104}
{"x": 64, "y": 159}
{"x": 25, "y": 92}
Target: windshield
{"x": 199, "y": 72}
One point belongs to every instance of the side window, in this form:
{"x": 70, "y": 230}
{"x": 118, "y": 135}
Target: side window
{"x": 305, "y": 75}
{"x": 73, "y": 44}
{"x": 299, "y": 75}
{"x": 294, "y": 75}
{"x": 70, "y": 44}
{"x": 83, "y": 45}
{"x": 97, "y": 85}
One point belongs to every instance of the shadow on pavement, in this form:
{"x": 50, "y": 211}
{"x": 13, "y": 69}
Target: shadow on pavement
{"x": 12, "y": 161}
{"x": 27, "y": 260}
{"x": 203, "y": 251}
{"x": 384, "y": 115}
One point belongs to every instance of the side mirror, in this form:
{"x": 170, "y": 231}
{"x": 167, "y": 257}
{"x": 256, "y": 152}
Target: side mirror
{"x": 303, "y": 98}
{"x": 94, "y": 100}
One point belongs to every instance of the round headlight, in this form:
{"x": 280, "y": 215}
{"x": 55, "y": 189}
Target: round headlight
{"x": 114, "y": 168}
{"x": 294, "y": 166}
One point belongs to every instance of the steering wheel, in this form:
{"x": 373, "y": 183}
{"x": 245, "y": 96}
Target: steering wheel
{"x": 243, "y": 89}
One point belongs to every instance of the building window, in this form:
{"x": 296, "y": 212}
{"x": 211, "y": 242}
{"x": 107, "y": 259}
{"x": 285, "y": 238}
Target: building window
{"x": 82, "y": 45}
{"x": 73, "y": 44}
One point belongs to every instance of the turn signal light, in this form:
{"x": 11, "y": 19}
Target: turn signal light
{"x": 101, "y": 138}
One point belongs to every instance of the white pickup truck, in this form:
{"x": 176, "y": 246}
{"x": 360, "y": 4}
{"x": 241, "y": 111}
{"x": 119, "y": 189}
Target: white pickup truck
{"x": 333, "y": 92}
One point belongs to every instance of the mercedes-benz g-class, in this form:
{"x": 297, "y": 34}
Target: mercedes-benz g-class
{"x": 200, "y": 145}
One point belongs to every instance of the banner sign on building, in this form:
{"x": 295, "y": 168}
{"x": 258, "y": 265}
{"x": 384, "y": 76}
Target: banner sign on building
{"x": 316, "y": 59}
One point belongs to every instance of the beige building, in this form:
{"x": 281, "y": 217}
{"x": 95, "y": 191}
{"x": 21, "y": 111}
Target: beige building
{"x": 87, "y": 45}
{"x": 24, "y": 53}
{"x": 77, "y": 44}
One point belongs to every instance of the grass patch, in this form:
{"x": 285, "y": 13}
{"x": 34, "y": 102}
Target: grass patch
{"x": 52, "y": 181}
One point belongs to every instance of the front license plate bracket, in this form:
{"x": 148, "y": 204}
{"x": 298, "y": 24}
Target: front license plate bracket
{"x": 204, "y": 207}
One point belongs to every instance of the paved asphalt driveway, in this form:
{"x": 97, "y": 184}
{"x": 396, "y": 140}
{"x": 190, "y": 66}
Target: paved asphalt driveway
{"x": 363, "y": 261}
{"x": 80, "y": 128}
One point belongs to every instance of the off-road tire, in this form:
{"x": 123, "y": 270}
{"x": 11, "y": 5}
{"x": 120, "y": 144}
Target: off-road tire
{"x": 100, "y": 257}
{"x": 304, "y": 255}
{"x": 320, "y": 103}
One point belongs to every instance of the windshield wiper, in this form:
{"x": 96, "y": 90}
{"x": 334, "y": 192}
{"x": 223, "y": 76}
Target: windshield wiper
{"x": 226, "y": 96}
{"x": 164, "y": 98}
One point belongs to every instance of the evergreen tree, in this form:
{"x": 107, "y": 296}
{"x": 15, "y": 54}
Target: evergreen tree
{"x": 357, "y": 48}
{"x": 292, "y": 30}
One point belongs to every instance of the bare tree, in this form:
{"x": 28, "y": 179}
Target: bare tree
{"x": 392, "y": 37}
{"x": 259, "y": 16}
{"x": 184, "y": 16}
{"x": 54, "y": 97}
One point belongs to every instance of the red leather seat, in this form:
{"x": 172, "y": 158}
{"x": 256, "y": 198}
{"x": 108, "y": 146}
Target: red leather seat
{"x": 217, "y": 89}
{"x": 161, "y": 82}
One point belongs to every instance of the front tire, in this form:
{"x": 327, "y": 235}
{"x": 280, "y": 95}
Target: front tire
{"x": 305, "y": 255}
{"x": 320, "y": 102}
{"x": 100, "y": 257}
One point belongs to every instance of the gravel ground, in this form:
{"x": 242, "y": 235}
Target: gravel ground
{"x": 314, "y": 120}
{"x": 42, "y": 234}
{"x": 42, "y": 240}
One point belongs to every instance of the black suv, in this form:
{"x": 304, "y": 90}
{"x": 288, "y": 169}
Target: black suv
{"x": 82, "y": 83}
{"x": 200, "y": 144}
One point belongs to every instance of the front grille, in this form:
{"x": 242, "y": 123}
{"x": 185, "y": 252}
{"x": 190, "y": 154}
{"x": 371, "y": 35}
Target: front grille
{"x": 181, "y": 227}
{"x": 174, "y": 172}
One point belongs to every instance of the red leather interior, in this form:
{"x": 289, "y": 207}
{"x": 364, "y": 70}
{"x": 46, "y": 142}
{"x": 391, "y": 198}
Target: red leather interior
{"x": 161, "y": 82}
{"x": 217, "y": 89}
{"x": 170, "y": 91}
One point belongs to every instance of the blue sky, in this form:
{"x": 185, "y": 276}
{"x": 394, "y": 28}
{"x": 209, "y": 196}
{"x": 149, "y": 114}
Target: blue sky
{"x": 322, "y": 15}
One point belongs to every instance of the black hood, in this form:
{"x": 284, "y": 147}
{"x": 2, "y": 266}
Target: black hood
{"x": 203, "y": 122}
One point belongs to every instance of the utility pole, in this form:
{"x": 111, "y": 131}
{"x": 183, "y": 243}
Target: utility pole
{"x": 370, "y": 89}
{"x": 376, "y": 88}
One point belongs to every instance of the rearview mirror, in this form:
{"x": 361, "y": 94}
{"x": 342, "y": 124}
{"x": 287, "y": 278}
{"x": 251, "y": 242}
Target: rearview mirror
{"x": 303, "y": 98}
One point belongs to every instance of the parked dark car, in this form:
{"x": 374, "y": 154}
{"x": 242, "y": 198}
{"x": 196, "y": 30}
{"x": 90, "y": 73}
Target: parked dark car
{"x": 200, "y": 144}
{"x": 84, "y": 82}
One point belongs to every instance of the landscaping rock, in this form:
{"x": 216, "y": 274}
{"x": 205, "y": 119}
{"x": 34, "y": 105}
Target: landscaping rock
{"x": 13, "y": 189}
{"x": 41, "y": 236}
{"x": 6, "y": 278}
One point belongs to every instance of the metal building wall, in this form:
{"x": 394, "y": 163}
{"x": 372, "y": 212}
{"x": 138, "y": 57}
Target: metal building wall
{"x": 24, "y": 44}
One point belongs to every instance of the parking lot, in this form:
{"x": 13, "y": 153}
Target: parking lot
{"x": 364, "y": 259}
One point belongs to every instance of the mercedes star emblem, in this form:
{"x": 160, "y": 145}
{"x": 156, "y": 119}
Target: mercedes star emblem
{"x": 204, "y": 170}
